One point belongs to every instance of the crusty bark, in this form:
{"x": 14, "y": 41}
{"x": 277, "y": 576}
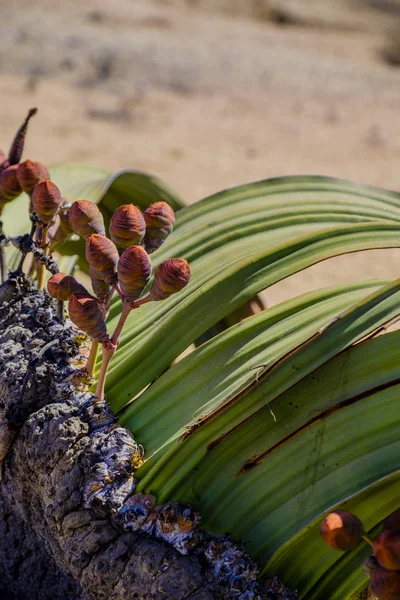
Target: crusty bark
{"x": 71, "y": 525}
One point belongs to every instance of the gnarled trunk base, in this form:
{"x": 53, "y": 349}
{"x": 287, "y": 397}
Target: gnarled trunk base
{"x": 71, "y": 525}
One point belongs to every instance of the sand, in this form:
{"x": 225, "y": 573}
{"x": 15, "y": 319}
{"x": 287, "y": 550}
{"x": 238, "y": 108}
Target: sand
{"x": 210, "y": 94}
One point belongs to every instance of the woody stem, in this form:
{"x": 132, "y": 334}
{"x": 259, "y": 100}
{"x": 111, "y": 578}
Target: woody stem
{"x": 3, "y": 267}
{"x": 21, "y": 262}
{"x": 41, "y": 268}
{"x": 91, "y": 361}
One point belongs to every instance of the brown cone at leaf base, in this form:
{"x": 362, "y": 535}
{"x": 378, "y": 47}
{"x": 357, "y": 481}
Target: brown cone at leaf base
{"x": 385, "y": 584}
{"x": 341, "y": 530}
{"x": 387, "y": 550}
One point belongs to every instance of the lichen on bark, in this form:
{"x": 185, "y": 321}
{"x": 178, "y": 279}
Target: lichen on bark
{"x": 72, "y": 526}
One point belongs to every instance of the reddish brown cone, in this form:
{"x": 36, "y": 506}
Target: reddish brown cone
{"x": 385, "y": 584}
{"x": 134, "y": 271}
{"x": 341, "y": 530}
{"x": 160, "y": 219}
{"x": 46, "y": 200}
{"x": 9, "y": 185}
{"x": 63, "y": 230}
{"x": 392, "y": 522}
{"x": 101, "y": 288}
{"x": 30, "y": 173}
{"x": 86, "y": 314}
{"x": 102, "y": 256}
{"x": 127, "y": 226}
{"x": 62, "y": 286}
{"x": 387, "y": 550}
{"x": 170, "y": 277}
{"x": 86, "y": 219}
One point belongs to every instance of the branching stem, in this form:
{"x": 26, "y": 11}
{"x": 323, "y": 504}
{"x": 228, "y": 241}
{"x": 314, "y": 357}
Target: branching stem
{"x": 41, "y": 268}
{"x": 368, "y": 540}
{"x": 28, "y": 244}
{"x": 91, "y": 361}
{"x": 3, "y": 266}
{"x": 140, "y": 302}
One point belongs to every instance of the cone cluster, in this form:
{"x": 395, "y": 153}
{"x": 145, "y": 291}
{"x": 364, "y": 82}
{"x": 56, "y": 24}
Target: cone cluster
{"x": 342, "y": 530}
{"x": 121, "y": 263}
{"x": 124, "y": 259}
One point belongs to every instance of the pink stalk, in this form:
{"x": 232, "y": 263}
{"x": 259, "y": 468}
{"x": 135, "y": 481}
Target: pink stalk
{"x": 94, "y": 348}
{"x": 108, "y": 351}
{"x": 140, "y": 302}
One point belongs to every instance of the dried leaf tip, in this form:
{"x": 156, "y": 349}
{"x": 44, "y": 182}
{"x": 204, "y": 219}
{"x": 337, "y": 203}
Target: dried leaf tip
{"x": 102, "y": 256}
{"x": 17, "y": 147}
{"x": 62, "y": 286}
{"x": 134, "y": 271}
{"x": 342, "y": 530}
{"x": 127, "y": 226}
{"x": 170, "y": 277}
{"x": 85, "y": 313}
{"x": 46, "y": 200}
{"x": 86, "y": 219}
{"x": 30, "y": 173}
{"x": 160, "y": 220}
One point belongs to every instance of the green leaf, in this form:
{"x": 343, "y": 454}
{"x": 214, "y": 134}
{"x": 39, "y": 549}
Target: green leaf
{"x": 239, "y": 242}
{"x": 287, "y": 414}
{"x": 271, "y": 423}
{"x": 157, "y": 334}
{"x": 272, "y": 476}
{"x": 213, "y": 374}
{"x": 327, "y": 573}
{"x": 170, "y": 469}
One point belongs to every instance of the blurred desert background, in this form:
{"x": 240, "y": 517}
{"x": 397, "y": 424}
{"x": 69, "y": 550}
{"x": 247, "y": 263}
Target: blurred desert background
{"x": 208, "y": 94}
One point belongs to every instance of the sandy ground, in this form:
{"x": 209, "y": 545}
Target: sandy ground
{"x": 209, "y": 94}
